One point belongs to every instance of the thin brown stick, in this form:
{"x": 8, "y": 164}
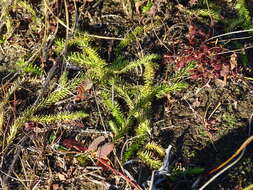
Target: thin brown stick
{"x": 242, "y": 147}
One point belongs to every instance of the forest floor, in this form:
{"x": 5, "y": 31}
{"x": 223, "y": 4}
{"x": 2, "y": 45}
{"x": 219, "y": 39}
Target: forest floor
{"x": 205, "y": 123}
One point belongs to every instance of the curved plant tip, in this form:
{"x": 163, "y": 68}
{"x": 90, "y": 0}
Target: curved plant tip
{"x": 250, "y": 187}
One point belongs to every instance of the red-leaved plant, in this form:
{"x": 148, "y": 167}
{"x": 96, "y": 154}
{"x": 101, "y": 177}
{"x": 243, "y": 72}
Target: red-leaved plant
{"x": 209, "y": 61}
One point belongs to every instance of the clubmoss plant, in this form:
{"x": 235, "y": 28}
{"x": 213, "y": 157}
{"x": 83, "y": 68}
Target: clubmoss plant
{"x": 128, "y": 102}
{"x": 5, "y": 99}
{"x": 244, "y": 14}
{"x": 242, "y": 19}
{"x": 24, "y": 67}
{"x": 29, "y": 114}
{"x": 152, "y": 155}
{"x": 203, "y": 14}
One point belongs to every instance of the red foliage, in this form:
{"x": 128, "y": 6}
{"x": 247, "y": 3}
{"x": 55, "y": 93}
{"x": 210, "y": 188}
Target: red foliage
{"x": 209, "y": 62}
{"x": 73, "y": 144}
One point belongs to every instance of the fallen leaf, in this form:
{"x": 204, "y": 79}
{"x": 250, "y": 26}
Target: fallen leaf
{"x": 233, "y": 61}
{"x": 105, "y": 150}
{"x": 94, "y": 145}
{"x": 82, "y": 88}
{"x": 55, "y": 186}
{"x": 225, "y": 70}
{"x": 72, "y": 143}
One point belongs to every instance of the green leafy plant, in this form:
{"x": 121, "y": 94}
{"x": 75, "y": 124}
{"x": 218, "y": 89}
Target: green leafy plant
{"x": 183, "y": 173}
{"x": 7, "y": 6}
{"x": 129, "y": 103}
{"x": 249, "y": 187}
{"x": 244, "y": 14}
{"x": 147, "y": 7}
{"x": 29, "y": 114}
{"x": 25, "y": 67}
{"x": 202, "y": 14}
{"x": 242, "y": 18}
{"x": 151, "y": 155}
{"x": 129, "y": 38}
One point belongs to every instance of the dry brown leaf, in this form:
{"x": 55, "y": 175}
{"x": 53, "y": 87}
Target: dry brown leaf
{"x": 94, "y": 145}
{"x": 233, "y": 61}
{"x": 105, "y": 150}
{"x": 225, "y": 70}
{"x": 73, "y": 144}
{"x": 82, "y": 88}
{"x": 55, "y": 186}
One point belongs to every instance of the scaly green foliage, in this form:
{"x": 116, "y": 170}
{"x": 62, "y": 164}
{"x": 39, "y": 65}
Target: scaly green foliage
{"x": 155, "y": 147}
{"x": 151, "y": 155}
{"x": 59, "y": 117}
{"x": 108, "y": 76}
{"x": 178, "y": 173}
{"x": 143, "y": 131}
{"x": 25, "y": 67}
{"x": 243, "y": 13}
{"x": 129, "y": 38}
{"x": 243, "y": 18}
{"x": 58, "y": 94}
{"x": 129, "y": 104}
{"x": 125, "y": 91}
{"x": 202, "y": 14}
{"x": 116, "y": 113}
{"x": 207, "y": 13}
{"x": 148, "y": 159}
{"x": 133, "y": 64}
{"x": 5, "y": 99}
{"x": 88, "y": 58}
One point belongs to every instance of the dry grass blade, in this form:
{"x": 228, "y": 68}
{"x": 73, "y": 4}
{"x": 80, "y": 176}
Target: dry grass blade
{"x": 239, "y": 154}
{"x": 242, "y": 147}
{"x": 230, "y": 33}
